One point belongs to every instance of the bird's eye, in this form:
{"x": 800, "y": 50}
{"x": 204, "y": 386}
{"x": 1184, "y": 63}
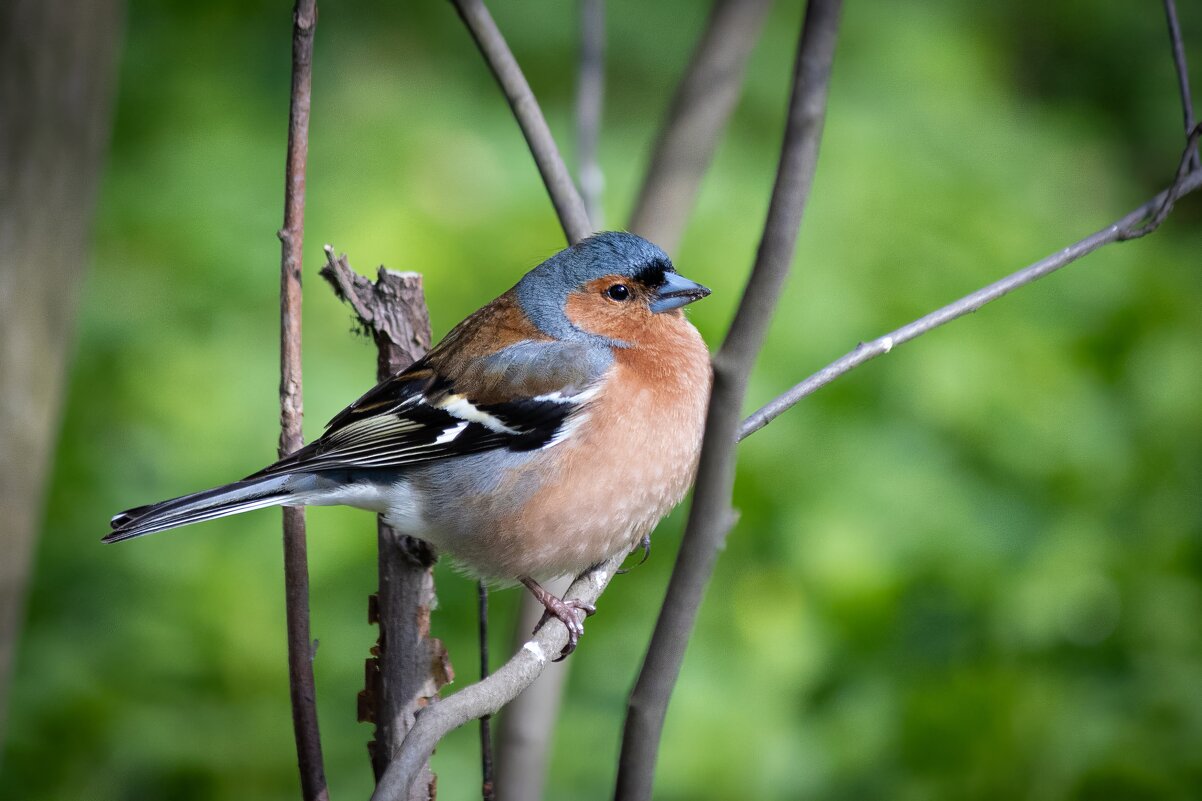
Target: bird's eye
{"x": 618, "y": 292}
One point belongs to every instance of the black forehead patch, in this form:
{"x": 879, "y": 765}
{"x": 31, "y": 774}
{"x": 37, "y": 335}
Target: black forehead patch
{"x": 651, "y": 274}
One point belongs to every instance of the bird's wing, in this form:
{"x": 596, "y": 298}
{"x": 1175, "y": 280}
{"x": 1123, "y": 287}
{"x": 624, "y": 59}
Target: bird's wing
{"x": 524, "y": 397}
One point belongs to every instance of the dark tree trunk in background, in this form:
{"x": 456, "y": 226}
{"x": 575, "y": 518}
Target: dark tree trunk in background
{"x": 57, "y": 74}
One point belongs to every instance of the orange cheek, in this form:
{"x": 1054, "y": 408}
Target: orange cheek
{"x": 593, "y": 313}
{"x": 631, "y": 322}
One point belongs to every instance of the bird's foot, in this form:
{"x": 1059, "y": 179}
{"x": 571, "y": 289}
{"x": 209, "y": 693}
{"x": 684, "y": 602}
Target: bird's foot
{"x": 643, "y": 545}
{"x": 571, "y": 613}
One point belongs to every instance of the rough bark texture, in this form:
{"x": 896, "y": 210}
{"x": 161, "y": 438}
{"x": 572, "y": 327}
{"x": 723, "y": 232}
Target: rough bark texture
{"x": 408, "y": 666}
{"x": 57, "y": 75}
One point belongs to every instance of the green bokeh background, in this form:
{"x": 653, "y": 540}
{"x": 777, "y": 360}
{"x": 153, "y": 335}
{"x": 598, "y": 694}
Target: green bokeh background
{"x": 968, "y": 570}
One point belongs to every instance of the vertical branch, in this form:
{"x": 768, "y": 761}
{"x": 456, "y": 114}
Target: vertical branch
{"x": 568, "y": 205}
{"x": 711, "y": 516}
{"x": 527, "y": 723}
{"x": 296, "y": 565}
{"x": 409, "y": 666}
{"x": 590, "y": 93}
{"x": 1187, "y": 104}
{"x": 703, "y": 102}
{"x": 487, "y": 791}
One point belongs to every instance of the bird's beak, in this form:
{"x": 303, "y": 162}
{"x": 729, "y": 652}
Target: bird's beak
{"x": 676, "y": 291}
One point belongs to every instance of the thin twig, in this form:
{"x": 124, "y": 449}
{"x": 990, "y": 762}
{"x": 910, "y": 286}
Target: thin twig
{"x": 296, "y": 564}
{"x": 970, "y": 303}
{"x": 711, "y": 516}
{"x": 1187, "y": 104}
{"x": 487, "y": 790}
{"x": 488, "y": 696}
{"x": 1171, "y": 194}
{"x": 568, "y": 205}
{"x": 700, "y": 108}
{"x": 590, "y": 95}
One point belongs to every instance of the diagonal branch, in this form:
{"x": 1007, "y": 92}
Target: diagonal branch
{"x": 703, "y": 103}
{"x": 711, "y": 516}
{"x": 525, "y": 728}
{"x": 565, "y": 198}
{"x": 1178, "y": 46}
{"x": 489, "y": 695}
{"x": 577, "y": 222}
{"x": 1115, "y": 232}
{"x": 296, "y": 564}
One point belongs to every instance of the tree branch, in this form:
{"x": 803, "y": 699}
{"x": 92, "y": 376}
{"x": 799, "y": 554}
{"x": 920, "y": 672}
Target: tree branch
{"x": 409, "y": 666}
{"x": 1116, "y": 232}
{"x": 568, "y": 205}
{"x": 489, "y": 695}
{"x": 703, "y": 103}
{"x": 296, "y": 565}
{"x": 487, "y": 789}
{"x": 528, "y": 722}
{"x": 711, "y": 516}
{"x": 1187, "y": 105}
{"x": 590, "y": 94}
{"x": 524, "y": 732}
{"x": 403, "y": 771}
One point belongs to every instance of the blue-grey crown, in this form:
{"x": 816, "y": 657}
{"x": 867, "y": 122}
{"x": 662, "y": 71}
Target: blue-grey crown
{"x": 543, "y": 291}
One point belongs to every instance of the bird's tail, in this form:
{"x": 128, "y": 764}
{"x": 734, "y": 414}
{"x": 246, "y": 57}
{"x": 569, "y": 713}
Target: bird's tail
{"x": 241, "y": 496}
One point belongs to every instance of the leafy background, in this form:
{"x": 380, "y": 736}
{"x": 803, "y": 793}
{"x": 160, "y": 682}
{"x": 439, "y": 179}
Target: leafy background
{"x": 970, "y": 569}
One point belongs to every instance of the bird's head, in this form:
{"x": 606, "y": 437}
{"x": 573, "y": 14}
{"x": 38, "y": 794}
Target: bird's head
{"x": 613, "y": 286}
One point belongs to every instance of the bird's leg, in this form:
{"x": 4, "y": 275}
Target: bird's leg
{"x": 570, "y": 613}
{"x": 643, "y": 545}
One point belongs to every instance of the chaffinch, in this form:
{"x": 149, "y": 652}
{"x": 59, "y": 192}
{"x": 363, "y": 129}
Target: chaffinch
{"x": 548, "y": 431}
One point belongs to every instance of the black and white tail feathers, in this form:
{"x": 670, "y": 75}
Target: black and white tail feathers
{"x": 241, "y": 496}
{"x": 532, "y": 395}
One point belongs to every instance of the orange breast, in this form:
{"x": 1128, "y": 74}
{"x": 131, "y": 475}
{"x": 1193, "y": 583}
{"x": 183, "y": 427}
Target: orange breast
{"x": 622, "y": 470}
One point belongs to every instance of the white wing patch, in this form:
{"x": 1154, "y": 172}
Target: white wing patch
{"x": 566, "y": 430}
{"x": 580, "y": 397}
{"x": 461, "y": 407}
{"x": 451, "y": 433}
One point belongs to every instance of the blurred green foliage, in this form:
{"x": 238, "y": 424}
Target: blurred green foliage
{"x": 969, "y": 570}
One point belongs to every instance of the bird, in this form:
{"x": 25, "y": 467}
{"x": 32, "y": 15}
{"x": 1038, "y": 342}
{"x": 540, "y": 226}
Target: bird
{"x": 548, "y": 431}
